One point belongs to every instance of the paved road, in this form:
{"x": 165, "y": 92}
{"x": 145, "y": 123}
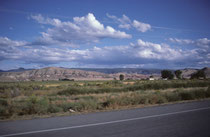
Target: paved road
{"x": 177, "y": 120}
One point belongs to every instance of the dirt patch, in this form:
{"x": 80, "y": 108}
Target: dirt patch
{"x": 81, "y": 84}
{"x": 52, "y": 85}
{"x": 186, "y": 89}
{"x": 128, "y": 83}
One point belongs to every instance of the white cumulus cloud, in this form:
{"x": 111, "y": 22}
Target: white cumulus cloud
{"x": 86, "y": 29}
{"x": 203, "y": 42}
{"x": 5, "y": 42}
{"x": 157, "y": 51}
{"x": 140, "y": 26}
{"x": 125, "y": 22}
{"x": 181, "y": 41}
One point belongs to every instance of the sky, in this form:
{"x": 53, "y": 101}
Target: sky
{"x": 164, "y": 34}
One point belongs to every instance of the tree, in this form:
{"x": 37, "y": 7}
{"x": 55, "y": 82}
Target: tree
{"x": 198, "y": 74}
{"x": 178, "y": 73}
{"x": 167, "y": 74}
{"x": 121, "y": 77}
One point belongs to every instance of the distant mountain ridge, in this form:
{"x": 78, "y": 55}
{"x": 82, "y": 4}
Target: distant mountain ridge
{"x": 102, "y": 70}
{"x": 56, "y": 73}
{"x": 123, "y": 70}
{"x": 16, "y": 70}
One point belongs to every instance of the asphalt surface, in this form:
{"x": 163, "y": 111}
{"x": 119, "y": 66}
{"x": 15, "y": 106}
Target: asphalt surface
{"x": 176, "y": 120}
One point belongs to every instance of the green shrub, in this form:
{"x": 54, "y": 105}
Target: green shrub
{"x": 156, "y": 99}
{"x": 3, "y": 102}
{"x": 54, "y": 108}
{"x": 79, "y": 106}
{"x": 161, "y": 99}
{"x": 199, "y": 94}
{"x": 186, "y": 95}
{"x": 4, "y": 112}
{"x": 143, "y": 100}
{"x": 35, "y": 105}
{"x": 66, "y": 106}
{"x": 87, "y": 90}
{"x": 193, "y": 94}
{"x": 208, "y": 92}
{"x": 172, "y": 96}
{"x": 90, "y": 105}
{"x": 123, "y": 101}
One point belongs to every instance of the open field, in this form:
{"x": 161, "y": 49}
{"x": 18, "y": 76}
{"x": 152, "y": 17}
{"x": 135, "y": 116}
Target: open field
{"x": 20, "y": 99}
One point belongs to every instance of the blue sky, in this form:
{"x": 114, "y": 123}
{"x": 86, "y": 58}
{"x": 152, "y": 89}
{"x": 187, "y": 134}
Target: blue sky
{"x": 105, "y": 34}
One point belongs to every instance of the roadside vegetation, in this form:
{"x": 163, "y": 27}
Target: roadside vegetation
{"x": 20, "y": 99}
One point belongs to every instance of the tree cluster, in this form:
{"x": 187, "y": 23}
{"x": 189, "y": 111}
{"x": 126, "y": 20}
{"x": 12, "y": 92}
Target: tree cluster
{"x": 167, "y": 74}
{"x": 199, "y": 74}
{"x": 121, "y": 77}
{"x": 178, "y": 74}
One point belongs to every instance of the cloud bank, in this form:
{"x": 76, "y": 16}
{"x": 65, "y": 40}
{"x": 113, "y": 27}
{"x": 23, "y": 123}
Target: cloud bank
{"x": 139, "y": 53}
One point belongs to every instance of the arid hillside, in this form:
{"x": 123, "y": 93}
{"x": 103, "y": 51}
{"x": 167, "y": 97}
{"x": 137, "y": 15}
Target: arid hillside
{"x": 51, "y": 73}
{"x": 187, "y": 73}
{"x": 55, "y": 73}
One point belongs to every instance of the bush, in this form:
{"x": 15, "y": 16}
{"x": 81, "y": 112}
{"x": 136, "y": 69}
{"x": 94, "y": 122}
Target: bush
{"x": 66, "y": 106}
{"x": 143, "y": 100}
{"x": 156, "y": 99}
{"x": 54, "y": 108}
{"x": 172, "y": 96}
{"x": 208, "y": 92}
{"x": 88, "y": 90}
{"x": 90, "y": 105}
{"x": 76, "y": 106}
{"x": 35, "y": 105}
{"x": 3, "y": 102}
{"x": 81, "y": 105}
{"x": 4, "y": 112}
{"x": 186, "y": 95}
